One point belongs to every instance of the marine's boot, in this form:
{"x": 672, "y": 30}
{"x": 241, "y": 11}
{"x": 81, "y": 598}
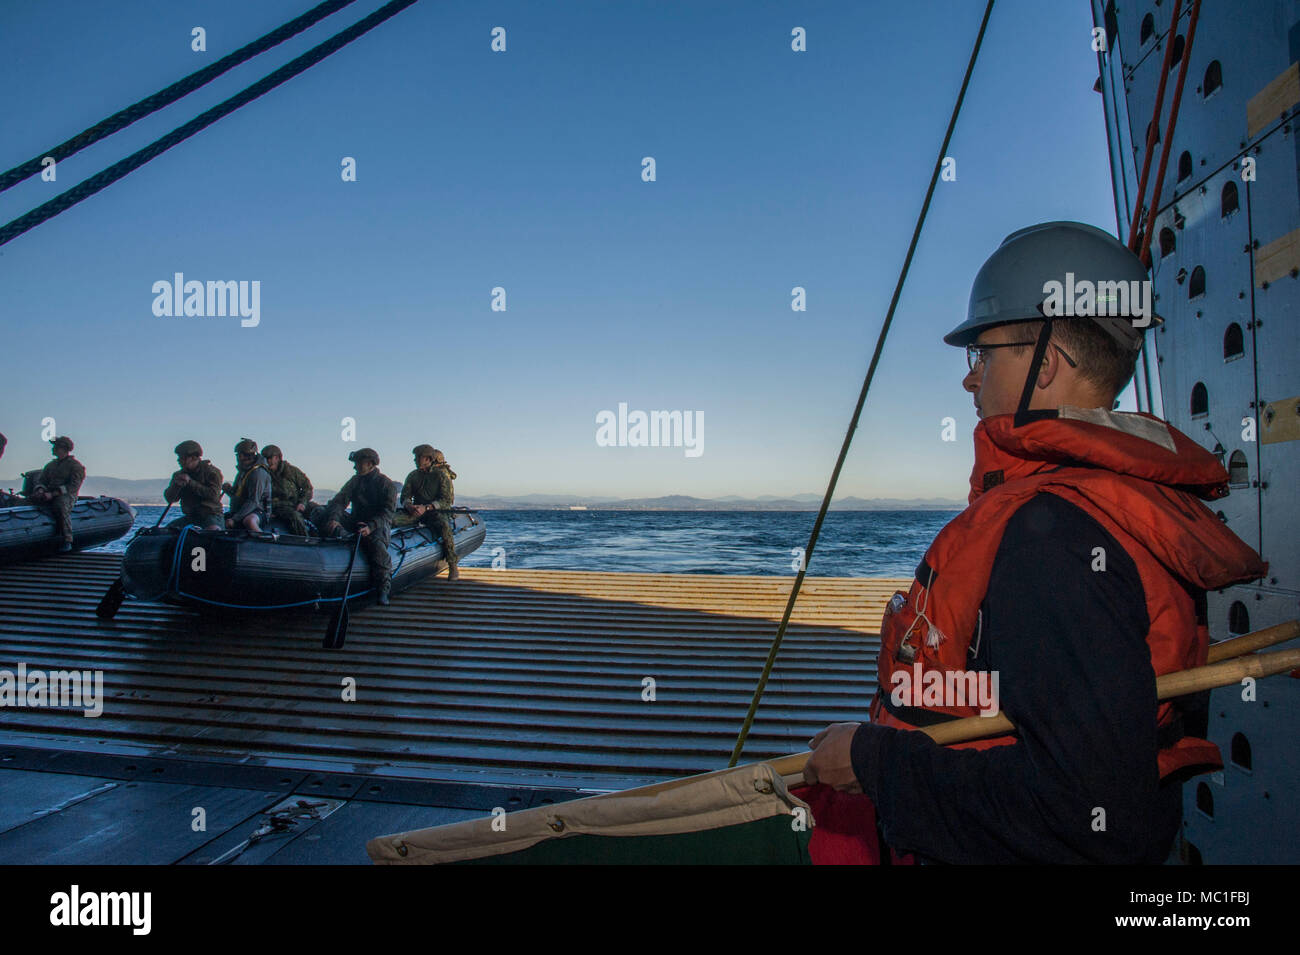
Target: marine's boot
{"x": 384, "y": 588}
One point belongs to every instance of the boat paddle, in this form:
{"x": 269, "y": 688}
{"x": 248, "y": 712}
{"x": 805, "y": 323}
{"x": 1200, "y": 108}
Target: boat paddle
{"x": 338, "y": 629}
{"x": 112, "y": 602}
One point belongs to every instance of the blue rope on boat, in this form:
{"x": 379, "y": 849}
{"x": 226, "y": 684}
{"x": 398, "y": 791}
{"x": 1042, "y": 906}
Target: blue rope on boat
{"x": 174, "y": 581}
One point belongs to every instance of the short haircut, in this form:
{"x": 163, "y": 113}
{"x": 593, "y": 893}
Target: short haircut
{"x": 1101, "y": 359}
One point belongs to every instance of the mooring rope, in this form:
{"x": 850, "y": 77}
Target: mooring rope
{"x": 95, "y": 183}
{"x": 151, "y": 104}
{"x": 862, "y": 400}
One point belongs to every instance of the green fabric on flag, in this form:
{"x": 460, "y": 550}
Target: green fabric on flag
{"x": 770, "y": 841}
{"x": 735, "y": 816}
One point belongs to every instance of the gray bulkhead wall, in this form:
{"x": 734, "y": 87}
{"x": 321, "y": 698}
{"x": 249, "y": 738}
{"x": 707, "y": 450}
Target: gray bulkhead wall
{"x": 1250, "y": 262}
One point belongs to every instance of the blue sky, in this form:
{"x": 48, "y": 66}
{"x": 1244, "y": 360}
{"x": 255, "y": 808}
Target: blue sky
{"x": 522, "y": 170}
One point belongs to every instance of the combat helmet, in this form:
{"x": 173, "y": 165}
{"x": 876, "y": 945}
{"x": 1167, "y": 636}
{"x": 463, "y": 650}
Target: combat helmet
{"x": 363, "y": 454}
{"x": 246, "y": 446}
{"x": 186, "y": 448}
{"x": 272, "y": 451}
{"x": 62, "y": 441}
{"x": 423, "y": 451}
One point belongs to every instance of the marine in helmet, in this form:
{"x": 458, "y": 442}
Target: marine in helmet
{"x": 1075, "y": 577}
{"x": 56, "y": 485}
{"x": 291, "y": 490}
{"x": 427, "y": 495}
{"x": 373, "y": 498}
{"x": 6, "y": 499}
{"x": 250, "y": 494}
{"x": 197, "y": 485}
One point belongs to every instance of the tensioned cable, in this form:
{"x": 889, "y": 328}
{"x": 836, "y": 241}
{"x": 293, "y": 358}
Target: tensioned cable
{"x": 862, "y": 399}
{"x": 151, "y": 104}
{"x": 115, "y": 172}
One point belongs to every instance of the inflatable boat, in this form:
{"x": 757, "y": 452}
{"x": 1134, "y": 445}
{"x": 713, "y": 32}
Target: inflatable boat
{"x": 29, "y": 531}
{"x": 272, "y": 571}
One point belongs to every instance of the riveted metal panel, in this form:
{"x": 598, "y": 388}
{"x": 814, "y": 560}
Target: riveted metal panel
{"x": 1280, "y": 543}
{"x": 1275, "y": 215}
{"x": 1134, "y": 56}
{"x": 1213, "y": 129}
{"x": 1191, "y": 340}
{"x": 1255, "y": 816}
{"x": 1247, "y": 48}
{"x": 1254, "y": 810}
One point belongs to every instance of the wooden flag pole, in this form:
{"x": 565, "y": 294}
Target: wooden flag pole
{"x": 1228, "y": 664}
{"x": 1247, "y": 642}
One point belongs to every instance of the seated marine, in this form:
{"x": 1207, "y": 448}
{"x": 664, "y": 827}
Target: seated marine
{"x": 197, "y": 485}
{"x": 291, "y": 491}
{"x": 427, "y": 495}
{"x": 56, "y": 485}
{"x": 250, "y": 495}
{"x": 7, "y": 500}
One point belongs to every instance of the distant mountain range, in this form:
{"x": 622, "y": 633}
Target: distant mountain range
{"x": 149, "y": 491}
{"x": 682, "y": 502}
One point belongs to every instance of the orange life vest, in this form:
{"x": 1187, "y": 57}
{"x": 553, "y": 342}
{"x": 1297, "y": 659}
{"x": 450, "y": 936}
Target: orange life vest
{"x": 1137, "y": 477}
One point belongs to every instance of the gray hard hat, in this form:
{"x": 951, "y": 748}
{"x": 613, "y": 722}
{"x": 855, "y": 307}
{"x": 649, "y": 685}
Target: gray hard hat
{"x": 1012, "y": 284}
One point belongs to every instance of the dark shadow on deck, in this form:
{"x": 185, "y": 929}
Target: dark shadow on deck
{"x": 473, "y": 681}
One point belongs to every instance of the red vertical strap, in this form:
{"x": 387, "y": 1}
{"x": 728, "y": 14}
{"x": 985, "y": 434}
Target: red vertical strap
{"x": 1154, "y": 126}
{"x": 1169, "y": 132}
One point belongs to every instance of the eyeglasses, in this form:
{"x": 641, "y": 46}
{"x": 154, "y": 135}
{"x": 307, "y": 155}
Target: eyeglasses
{"x": 975, "y": 354}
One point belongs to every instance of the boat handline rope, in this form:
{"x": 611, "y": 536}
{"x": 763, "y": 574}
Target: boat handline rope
{"x": 182, "y": 87}
{"x": 862, "y": 398}
{"x": 107, "y": 177}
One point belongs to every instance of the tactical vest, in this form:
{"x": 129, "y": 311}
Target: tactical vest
{"x": 1138, "y": 479}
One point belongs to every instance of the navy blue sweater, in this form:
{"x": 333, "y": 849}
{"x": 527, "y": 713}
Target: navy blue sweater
{"x": 1075, "y": 677}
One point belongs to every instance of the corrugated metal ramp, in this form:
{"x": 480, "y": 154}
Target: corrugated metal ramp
{"x": 514, "y": 676}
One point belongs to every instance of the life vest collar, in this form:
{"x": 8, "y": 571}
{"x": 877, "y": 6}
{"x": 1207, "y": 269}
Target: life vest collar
{"x": 1127, "y": 443}
{"x": 1142, "y": 472}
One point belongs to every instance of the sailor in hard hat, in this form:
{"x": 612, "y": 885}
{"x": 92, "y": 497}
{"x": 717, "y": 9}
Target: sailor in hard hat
{"x": 197, "y": 485}
{"x": 1075, "y": 577}
{"x": 374, "y": 505}
{"x": 428, "y": 494}
{"x": 56, "y": 485}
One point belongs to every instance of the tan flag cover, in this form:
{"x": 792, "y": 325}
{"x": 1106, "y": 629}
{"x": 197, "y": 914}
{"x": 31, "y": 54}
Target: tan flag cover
{"x": 726, "y": 798}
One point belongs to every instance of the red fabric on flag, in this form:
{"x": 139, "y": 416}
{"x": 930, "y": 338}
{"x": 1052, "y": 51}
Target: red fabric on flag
{"x": 844, "y": 830}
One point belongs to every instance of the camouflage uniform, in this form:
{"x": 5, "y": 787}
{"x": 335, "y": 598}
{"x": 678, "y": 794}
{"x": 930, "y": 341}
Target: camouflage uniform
{"x": 434, "y": 488}
{"x": 289, "y": 488}
{"x": 251, "y": 492}
{"x": 200, "y": 498}
{"x": 374, "y": 502}
{"x": 63, "y": 479}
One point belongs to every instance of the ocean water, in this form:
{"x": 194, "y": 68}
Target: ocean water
{"x": 852, "y": 543}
